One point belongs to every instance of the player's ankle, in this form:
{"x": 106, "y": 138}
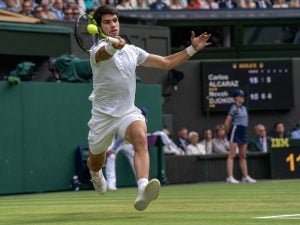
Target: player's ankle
{"x": 142, "y": 182}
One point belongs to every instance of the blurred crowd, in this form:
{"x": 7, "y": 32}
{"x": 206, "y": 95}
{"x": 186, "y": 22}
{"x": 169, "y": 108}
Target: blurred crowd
{"x": 70, "y": 9}
{"x": 215, "y": 141}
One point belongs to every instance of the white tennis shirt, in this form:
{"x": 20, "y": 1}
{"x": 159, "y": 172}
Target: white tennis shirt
{"x": 114, "y": 80}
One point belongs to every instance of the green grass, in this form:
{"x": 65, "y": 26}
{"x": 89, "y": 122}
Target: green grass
{"x": 201, "y": 204}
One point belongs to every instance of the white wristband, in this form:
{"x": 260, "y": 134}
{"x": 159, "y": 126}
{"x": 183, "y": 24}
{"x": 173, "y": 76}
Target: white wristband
{"x": 110, "y": 49}
{"x": 190, "y": 50}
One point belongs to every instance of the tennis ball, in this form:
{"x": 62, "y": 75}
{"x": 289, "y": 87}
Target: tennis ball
{"x": 92, "y": 29}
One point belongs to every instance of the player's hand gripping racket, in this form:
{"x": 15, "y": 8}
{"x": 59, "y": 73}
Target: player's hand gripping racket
{"x": 87, "y": 32}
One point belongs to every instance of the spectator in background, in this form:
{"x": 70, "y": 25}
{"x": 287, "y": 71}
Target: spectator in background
{"x": 13, "y": 5}
{"x": 247, "y": 4}
{"x": 175, "y": 4}
{"x": 263, "y": 4}
{"x": 82, "y": 8}
{"x": 27, "y": 8}
{"x": 236, "y": 124}
{"x": 158, "y": 5}
{"x": 169, "y": 146}
{"x": 207, "y": 140}
{"x": 111, "y": 3}
{"x": 57, "y": 9}
{"x": 76, "y": 12}
{"x": 210, "y": 4}
{"x": 2, "y": 4}
{"x": 46, "y": 13}
{"x": 33, "y": 4}
{"x": 280, "y": 4}
{"x": 69, "y": 14}
{"x": 91, "y": 4}
{"x": 182, "y": 140}
{"x": 279, "y": 130}
{"x": 261, "y": 143}
{"x": 220, "y": 144}
{"x": 123, "y": 5}
{"x": 294, "y": 4}
{"x": 38, "y": 12}
{"x": 295, "y": 134}
{"x": 227, "y": 4}
{"x": 80, "y": 4}
{"x": 193, "y": 4}
{"x": 195, "y": 148}
{"x": 141, "y": 4}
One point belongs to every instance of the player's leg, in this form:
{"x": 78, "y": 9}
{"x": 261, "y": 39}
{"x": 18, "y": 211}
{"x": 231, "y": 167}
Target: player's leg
{"x": 110, "y": 170}
{"x": 95, "y": 164}
{"x": 230, "y": 163}
{"x": 243, "y": 164}
{"x": 243, "y": 161}
{"x": 100, "y": 137}
{"x": 133, "y": 129}
{"x": 136, "y": 134}
{"x": 128, "y": 151}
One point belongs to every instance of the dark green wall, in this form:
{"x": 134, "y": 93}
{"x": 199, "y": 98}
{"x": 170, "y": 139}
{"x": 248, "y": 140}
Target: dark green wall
{"x": 41, "y": 125}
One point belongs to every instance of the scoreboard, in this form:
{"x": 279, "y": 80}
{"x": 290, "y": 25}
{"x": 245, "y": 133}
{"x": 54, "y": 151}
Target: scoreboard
{"x": 285, "y": 158}
{"x": 268, "y": 84}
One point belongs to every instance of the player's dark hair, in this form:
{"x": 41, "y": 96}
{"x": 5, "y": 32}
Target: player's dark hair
{"x": 103, "y": 10}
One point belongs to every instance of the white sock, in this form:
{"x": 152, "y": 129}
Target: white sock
{"x": 141, "y": 184}
{"x": 96, "y": 174}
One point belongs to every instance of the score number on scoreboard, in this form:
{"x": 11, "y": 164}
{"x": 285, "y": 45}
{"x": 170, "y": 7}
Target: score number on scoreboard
{"x": 285, "y": 158}
{"x": 268, "y": 84}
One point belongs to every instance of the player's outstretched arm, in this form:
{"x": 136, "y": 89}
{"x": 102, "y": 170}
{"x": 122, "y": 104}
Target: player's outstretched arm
{"x": 174, "y": 60}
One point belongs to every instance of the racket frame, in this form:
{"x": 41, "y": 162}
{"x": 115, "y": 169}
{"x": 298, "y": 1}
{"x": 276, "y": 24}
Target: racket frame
{"x": 100, "y": 34}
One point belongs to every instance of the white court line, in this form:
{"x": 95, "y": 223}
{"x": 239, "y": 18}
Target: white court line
{"x": 277, "y": 216}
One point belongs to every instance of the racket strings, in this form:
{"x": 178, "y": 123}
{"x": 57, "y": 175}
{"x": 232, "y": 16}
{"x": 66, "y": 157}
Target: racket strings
{"x": 84, "y": 40}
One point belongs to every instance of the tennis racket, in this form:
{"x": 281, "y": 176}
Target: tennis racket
{"x": 87, "y": 33}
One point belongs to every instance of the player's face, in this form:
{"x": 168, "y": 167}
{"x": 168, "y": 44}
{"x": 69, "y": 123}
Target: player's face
{"x": 240, "y": 99}
{"x": 110, "y": 25}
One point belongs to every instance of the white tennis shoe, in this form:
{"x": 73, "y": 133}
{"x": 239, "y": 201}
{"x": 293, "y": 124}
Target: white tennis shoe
{"x": 150, "y": 193}
{"x": 99, "y": 182}
{"x": 232, "y": 180}
{"x": 111, "y": 187}
{"x": 248, "y": 179}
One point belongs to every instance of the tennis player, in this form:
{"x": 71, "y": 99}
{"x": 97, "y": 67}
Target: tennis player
{"x": 113, "y": 95}
{"x": 236, "y": 124}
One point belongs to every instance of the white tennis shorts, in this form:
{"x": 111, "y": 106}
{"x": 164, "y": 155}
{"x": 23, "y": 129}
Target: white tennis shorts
{"x": 103, "y": 129}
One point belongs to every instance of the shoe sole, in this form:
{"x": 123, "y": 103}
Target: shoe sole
{"x": 151, "y": 193}
{"x": 232, "y": 182}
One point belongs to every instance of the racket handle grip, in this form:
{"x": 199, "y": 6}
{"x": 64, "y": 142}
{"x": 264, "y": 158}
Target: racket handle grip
{"x": 112, "y": 40}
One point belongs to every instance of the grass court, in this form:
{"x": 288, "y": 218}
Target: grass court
{"x": 275, "y": 202}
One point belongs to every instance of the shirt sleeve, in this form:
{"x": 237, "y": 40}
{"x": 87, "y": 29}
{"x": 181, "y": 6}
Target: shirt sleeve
{"x": 232, "y": 110}
{"x": 94, "y": 49}
{"x": 142, "y": 55}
